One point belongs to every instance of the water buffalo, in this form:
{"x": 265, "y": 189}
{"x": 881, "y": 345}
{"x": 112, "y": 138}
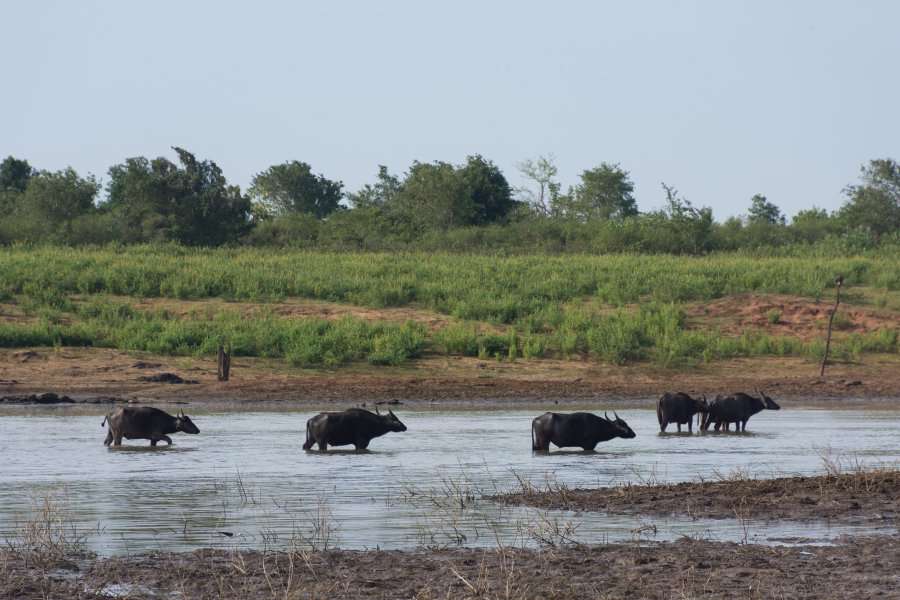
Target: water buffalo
{"x": 144, "y": 423}
{"x": 679, "y": 408}
{"x": 353, "y": 426}
{"x": 580, "y": 429}
{"x": 736, "y": 408}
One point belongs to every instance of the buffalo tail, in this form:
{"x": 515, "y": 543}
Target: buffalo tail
{"x": 307, "y": 445}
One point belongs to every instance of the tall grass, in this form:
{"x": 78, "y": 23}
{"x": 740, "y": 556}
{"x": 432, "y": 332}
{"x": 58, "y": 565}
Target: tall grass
{"x": 527, "y": 306}
{"x": 494, "y": 289}
{"x": 654, "y": 331}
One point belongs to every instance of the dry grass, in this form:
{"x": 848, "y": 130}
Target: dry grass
{"x": 847, "y": 492}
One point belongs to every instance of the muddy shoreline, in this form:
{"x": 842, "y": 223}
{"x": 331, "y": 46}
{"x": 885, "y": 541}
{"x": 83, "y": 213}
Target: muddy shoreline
{"x": 859, "y": 567}
{"x": 863, "y": 496}
{"x": 90, "y": 376}
{"x": 688, "y": 568}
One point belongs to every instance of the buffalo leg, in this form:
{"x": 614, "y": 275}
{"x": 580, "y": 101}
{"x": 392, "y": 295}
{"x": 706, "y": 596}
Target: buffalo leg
{"x": 361, "y": 444}
{"x": 691, "y": 425}
{"x": 323, "y": 446}
{"x": 679, "y": 426}
{"x": 167, "y": 438}
{"x": 109, "y": 438}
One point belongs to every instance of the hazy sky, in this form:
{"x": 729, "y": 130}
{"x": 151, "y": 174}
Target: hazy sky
{"x": 720, "y": 99}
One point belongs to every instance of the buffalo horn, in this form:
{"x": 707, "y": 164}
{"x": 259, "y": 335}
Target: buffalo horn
{"x": 606, "y": 415}
{"x": 615, "y": 415}
{"x": 376, "y": 410}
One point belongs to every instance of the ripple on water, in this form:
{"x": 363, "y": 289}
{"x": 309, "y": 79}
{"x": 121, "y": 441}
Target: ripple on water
{"x": 246, "y": 475}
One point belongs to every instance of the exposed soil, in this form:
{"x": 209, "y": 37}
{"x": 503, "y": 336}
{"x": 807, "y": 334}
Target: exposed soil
{"x": 97, "y": 375}
{"x": 794, "y": 316}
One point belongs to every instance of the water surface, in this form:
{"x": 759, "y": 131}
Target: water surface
{"x": 246, "y": 482}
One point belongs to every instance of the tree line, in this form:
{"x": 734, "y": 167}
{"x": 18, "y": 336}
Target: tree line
{"x": 433, "y": 206}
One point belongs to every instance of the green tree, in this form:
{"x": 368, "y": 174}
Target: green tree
{"x": 14, "y": 174}
{"x": 490, "y": 193}
{"x": 192, "y": 204}
{"x": 763, "y": 211}
{"x": 875, "y": 203}
{"x": 812, "y": 225}
{"x": 138, "y": 198}
{"x": 379, "y": 195}
{"x": 58, "y": 198}
{"x": 543, "y": 188}
{"x": 691, "y": 227}
{"x": 434, "y": 196}
{"x": 206, "y": 210}
{"x": 292, "y": 188}
{"x": 605, "y": 193}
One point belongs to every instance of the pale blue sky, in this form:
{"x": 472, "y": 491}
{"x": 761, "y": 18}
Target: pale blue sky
{"x": 721, "y": 100}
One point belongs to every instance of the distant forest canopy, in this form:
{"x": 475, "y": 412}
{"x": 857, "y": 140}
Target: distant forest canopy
{"x": 469, "y": 207}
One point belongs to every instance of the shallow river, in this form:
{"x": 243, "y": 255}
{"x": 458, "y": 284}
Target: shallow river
{"x": 245, "y": 482}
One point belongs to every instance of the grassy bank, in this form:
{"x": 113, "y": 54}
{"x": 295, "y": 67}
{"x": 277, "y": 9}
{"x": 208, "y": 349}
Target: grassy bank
{"x": 612, "y": 309}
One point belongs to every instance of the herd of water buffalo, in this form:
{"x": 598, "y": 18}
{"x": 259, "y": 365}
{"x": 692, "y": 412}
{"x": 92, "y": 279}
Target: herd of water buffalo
{"x": 358, "y": 426}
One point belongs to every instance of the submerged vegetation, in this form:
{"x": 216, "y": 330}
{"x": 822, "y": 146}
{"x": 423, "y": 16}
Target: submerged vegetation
{"x": 614, "y": 309}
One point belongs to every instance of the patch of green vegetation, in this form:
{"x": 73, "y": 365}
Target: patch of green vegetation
{"x": 613, "y": 309}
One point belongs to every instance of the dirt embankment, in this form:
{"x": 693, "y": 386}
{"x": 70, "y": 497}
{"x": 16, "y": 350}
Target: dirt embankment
{"x": 96, "y": 375}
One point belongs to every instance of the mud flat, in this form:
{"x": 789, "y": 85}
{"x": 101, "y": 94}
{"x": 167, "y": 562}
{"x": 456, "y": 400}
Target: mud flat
{"x": 851, "y": 567}
{"x": 863, "y": 496}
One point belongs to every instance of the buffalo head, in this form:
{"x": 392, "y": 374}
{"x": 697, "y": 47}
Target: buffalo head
{"x": 621, "y": 427}
{"x": 769, "y": 403}
{"x": 184, "y": 423}
{"x": 702, "y": 405}
{"x": 393, "y": 422}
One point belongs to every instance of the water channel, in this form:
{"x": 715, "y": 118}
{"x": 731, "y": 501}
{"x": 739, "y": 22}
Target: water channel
{"x": 245, "y": 482}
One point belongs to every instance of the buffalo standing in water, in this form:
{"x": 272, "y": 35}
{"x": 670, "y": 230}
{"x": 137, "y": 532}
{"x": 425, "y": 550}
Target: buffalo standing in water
{"x": 679, "y": 408}
{"x": 144, "y": 423}
{"x": 584, "y": 430}
{"x": 736, "y": 408}
{"x": 353, "y": 426}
